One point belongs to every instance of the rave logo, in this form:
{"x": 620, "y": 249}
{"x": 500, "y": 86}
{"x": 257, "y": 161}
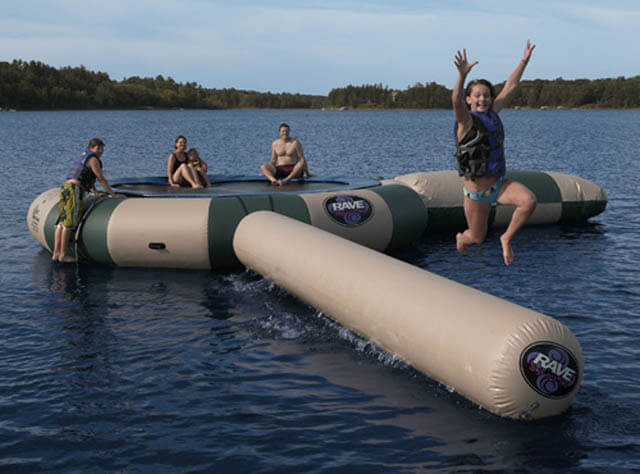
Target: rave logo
{"x": 348, "y": 210}
{"x": 550, "y": 369}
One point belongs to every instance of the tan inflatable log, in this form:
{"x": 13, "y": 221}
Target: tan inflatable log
{"x": 562, "y": 198}
{"x": 512, "y": 361}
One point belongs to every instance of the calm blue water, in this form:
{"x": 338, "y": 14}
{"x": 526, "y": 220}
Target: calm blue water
{"x": 138, "y": 370}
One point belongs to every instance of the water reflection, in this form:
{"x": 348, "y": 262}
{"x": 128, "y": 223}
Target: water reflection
{"x": 93, "y": 288}
{"x": 394, "y": 407}
{"x": 66, "y": 281}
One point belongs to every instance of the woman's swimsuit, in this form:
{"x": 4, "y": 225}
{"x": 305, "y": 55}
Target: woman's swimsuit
{"x": 176, "y": 164}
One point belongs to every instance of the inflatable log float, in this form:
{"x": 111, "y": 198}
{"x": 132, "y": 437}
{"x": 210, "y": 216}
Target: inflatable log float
{"x": 160, "y": 226}
{"x": 562, "y": 198}
{"x": 512, "y": 361}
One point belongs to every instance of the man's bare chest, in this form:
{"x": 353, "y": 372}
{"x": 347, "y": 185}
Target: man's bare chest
{"x": 283, "y": 148}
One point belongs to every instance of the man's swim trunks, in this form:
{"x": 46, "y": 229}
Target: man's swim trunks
{"x": 487, "y": 195}
{"x": 282, "y": 171}
{"x": 70, "y": 206}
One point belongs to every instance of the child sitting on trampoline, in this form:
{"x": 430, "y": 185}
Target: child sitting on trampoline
{"x": 199, "y": 166}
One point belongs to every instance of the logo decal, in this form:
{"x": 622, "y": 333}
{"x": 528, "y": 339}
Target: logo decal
{"x": 550, "y": 369}
{"x": 348, "y": 210}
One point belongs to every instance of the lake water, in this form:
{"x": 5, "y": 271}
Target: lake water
{"x": 137, "y": 370}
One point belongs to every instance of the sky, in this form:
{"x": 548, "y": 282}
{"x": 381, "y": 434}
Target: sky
{"x": 311, "y": 47}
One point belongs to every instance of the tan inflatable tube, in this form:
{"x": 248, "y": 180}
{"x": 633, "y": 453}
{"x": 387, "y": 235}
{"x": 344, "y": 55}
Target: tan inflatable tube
{"x": 512, "y": 361}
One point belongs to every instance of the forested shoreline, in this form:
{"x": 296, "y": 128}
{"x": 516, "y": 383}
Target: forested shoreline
{"x": 618, "y": 93}
{"x": 34, "y": 85}
{"x": 37, "y": 86}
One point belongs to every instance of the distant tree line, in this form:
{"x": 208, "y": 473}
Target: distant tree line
{"x": 34, "y": 85}
{"x": 419, "y": 96}
{"x": 619, "y": 93}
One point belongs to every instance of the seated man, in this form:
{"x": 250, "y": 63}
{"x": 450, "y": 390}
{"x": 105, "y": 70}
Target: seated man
{"x": 287, "y": 159}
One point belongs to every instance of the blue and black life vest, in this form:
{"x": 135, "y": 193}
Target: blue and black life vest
{"x": 82, "y": 172}
{"x": 482, "y": 153}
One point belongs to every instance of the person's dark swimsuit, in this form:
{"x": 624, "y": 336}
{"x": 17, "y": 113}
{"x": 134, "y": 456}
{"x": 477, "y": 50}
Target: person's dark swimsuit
{"x": 282, "y": 171}
{"x": 176, "y": 165}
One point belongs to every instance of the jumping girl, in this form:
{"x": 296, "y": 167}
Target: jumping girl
{"x": 480, "y": 154}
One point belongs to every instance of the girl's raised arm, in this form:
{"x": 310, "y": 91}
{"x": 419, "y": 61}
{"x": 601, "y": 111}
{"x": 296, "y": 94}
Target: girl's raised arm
{"x": 460, "y": 111}
{"x": 511, "y": 85}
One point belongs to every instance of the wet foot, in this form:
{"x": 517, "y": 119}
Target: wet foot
{"x": 507, "y": 251}
{"x": 67, "y": 259}
{"x": 460, "y": 245}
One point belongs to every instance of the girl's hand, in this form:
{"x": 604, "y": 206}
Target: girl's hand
{"x": 462, "y": 64}
{"x": 528, "y": 49}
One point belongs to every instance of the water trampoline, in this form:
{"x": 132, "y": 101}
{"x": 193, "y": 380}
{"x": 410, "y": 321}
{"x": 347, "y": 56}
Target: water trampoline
{"x": 226, "y": 186}
{"x": 157, "y": 225}
{"x": 512, "y": 361}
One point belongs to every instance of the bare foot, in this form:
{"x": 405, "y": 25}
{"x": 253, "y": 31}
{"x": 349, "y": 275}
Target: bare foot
{"x": 67, "y": 259}
{"x": 507, "y": 251}
{"x": 54, "y": 257}
{"x": 460, "y": 245}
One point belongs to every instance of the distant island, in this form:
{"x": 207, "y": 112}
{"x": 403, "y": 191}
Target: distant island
{"x": 34, "y": 85}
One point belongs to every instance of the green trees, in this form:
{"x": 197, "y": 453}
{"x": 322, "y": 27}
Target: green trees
{"x": 34, "y": 85}
{"x": 581, "y": 93}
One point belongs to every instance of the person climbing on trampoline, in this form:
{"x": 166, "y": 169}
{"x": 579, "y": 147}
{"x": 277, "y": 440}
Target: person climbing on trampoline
{"x": 81, "y": 180}
{"x": 479, "y": 136}
{"x": 287, "y": 159}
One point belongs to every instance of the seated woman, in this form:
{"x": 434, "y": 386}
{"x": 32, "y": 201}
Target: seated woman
{"x": 199, "y": 166}
{"x": 179, "y": 173}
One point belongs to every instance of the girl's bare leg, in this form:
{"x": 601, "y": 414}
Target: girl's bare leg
{"x": 476, "y": 214}
{"x": 516, "y": 194}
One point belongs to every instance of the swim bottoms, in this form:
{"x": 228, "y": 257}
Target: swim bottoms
{"x": 487, "y": 195}
{"x": 282, "y": 171}
{"x": 70, "y": 206}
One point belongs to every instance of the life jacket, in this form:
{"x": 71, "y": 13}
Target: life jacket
{"x": 483, "y": 154}
{"x": 82, "y": 172}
